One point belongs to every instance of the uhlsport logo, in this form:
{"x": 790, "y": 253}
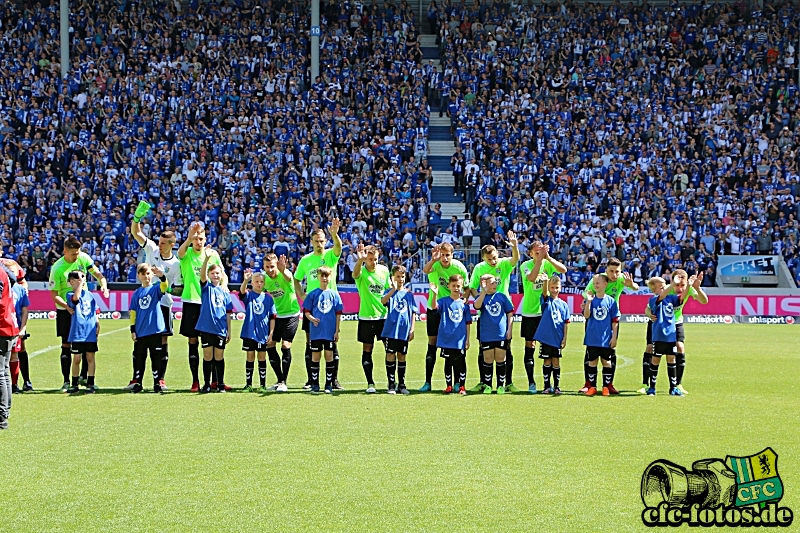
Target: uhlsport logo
{"x": 734, "y": 492}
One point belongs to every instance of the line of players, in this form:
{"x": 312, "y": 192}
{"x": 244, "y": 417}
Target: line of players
{"x": 386, "y": 313}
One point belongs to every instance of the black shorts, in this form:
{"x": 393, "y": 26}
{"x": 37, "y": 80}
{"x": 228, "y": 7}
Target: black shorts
{"x": 285, "y": 329}
{"x": 452, "y": 352}
{"x": 495, "y": 345}
{"x": 663, "y": 348}
{"x": 595, "y": 351}
{"x": 143, "y": 344}
{"x": 396, "y": 346}
{"x": 191, "y": 314}
{"x": 63, "y": 324}
{"x": 680, "y": 336}
{"x": 249, "y": 345}
{"x": 207, "y": 340}
{"x": 84, "y": 347}
{"x": 321, "y": 345}
{"x": 529, "y": 326}
{"x": 549, "y": 352}
{"x": 370, "y": 330}
{"x": 432, "y": 324}
{"x": 166, "y": 312}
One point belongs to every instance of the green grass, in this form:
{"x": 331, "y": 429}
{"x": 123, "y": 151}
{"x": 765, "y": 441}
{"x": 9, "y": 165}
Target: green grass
{"x": 183, "y": 462}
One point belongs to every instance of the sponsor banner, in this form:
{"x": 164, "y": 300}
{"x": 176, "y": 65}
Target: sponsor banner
{"x": 634, "y": 304}
{"x": 749, "y": 269}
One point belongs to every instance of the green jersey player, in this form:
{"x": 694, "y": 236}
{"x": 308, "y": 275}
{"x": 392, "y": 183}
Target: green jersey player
{"x": 372, "y": 280}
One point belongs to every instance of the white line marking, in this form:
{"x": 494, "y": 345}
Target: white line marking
{"x": 58, "y": 346}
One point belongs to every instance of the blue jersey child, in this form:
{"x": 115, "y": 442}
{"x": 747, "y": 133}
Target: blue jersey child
{"x": 323, "y": 309}
{"x": 661, "y": 311}
{"x": 148, "y": 325}
{"x": 83, "y": 330}
{"x": 552, "y": 333}
{"x": 257, "y": 328}
{"x": 398, "y": 329}
{"x": 600, "y": 337}
{"x": 453, "y": 334}
{"x": 214, "y": 322}
{"x": 494, "y": 332}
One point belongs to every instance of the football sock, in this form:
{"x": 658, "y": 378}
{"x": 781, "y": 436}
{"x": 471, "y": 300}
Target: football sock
{"x": 557, "y": 377}
{"x": 613, "y": 366}
{"x": 608, "y": 375}
{"x": 546, "y": 371}
{"x": 653, "y": 374}
{"x": 313, "y": 373}
{"x": 262, "y": 374}
{"x": 220, "y": 366}
{"x": 501, "y": 374}
{"x": 84, "y": 366}
{"x": 528, "y": 360}
{"x": 335, "y": 361}
{"x": 24, "y": 367}
{"x": 646, "y": 368}
{"x": 66, "y": 363}
{"x": 587, "y": 369}
{"x": 462, "y": 370}
{"x": 390, "y": 369}
{"x": 248, "y": 372}
{"x": 509, "y": 365}
{"x": 14, "y": 365}
{"x": 164, "y": 361}
{"x": 330, "y": 371}
{"x": 430, "y": 362}
{"x": 214, "y": 372}
{"x": 481, "y": 366}
{"x": 308, "y": 364}
{"x": 448, "y": 371}
{"x": 133, "y": 361}
{"x": 680, "y": 360}
{"x": 487, "y": 373}
{"x": 401, "y": 372}
{"x": 206, "y": 372}
{"x": 591, "y": 376}
{"x": 75, "y": 381}
{"x": 672, "y": 372}
{"x": 194, "y": 361}
{"x": 275, "y": 363}
{"x": 156, "y": 362}
{"x": 286, "y": 363}
{"x": 366, "y": 362}
{"x": 89, "y": 381}
{"x": 138, "y": 367}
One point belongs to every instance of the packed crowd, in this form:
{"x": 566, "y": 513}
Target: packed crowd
{"x": 206, "y": 111}
{"x": 662, "y": 136}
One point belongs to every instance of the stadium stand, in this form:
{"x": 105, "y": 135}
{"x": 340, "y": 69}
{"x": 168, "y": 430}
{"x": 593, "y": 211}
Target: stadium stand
{"x": 660, "y": 135}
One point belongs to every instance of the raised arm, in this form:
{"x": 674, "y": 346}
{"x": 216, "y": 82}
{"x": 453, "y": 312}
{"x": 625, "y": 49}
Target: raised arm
{"x": 337, "y": 242}
{"x": 629, "y": 281}
{"x": 362, "y": 256}
{"x": 701, "y": 296}
{"x": 512, "y": 241}
{"x": 435, "y": 255}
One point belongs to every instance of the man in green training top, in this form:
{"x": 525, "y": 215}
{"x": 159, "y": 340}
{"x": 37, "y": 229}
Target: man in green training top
{"x": 501, "y": 269}
{"x": 192, "y": 254}
{"x": 307, "y": 270}
{"x": 439, "y": 269}
{"x": 279, "y": 283}
{"x": 617, "y": 282}
{"x": 372, "y": 280}
{"x": 72, "y": 260}
{"x": 533, "y": 282}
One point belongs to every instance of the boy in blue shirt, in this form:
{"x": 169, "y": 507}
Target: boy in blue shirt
{"x": 600, "y": 337}
{"x": 147, "y": 325}
{"x": 661, "y": 311}
{"x": 398, "y": 329}
{"x": 453, "y": 334}
{"x": 257, "y": 328}
{"x": 19, "y": 355}
{"x": 214, "y": 323}
{"x": 83, "y": 330}
{"x": 552, "y": 333}
{"x": 323, "y": 308}
{"x": 494, "y": 331}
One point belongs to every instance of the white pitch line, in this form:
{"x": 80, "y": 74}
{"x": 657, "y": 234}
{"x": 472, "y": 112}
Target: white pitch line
{"x": 58, "y": 346}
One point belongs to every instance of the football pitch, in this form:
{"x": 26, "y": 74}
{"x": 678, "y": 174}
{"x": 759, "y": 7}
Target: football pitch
{"x": 117, "y": 461}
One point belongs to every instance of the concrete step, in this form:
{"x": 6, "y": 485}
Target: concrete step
{"x": 441, "y": 148}
{"x": 449, "y": 209}
{"x": 439, "y": 162}
{"x": 436, "y": 120}
{"x": 443, "y": 178}
{"x": 440, "y": 133}
{"x": 440, "y": 195}
{"x": 429, "y": 53}
{"x": 427, "y": 41}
